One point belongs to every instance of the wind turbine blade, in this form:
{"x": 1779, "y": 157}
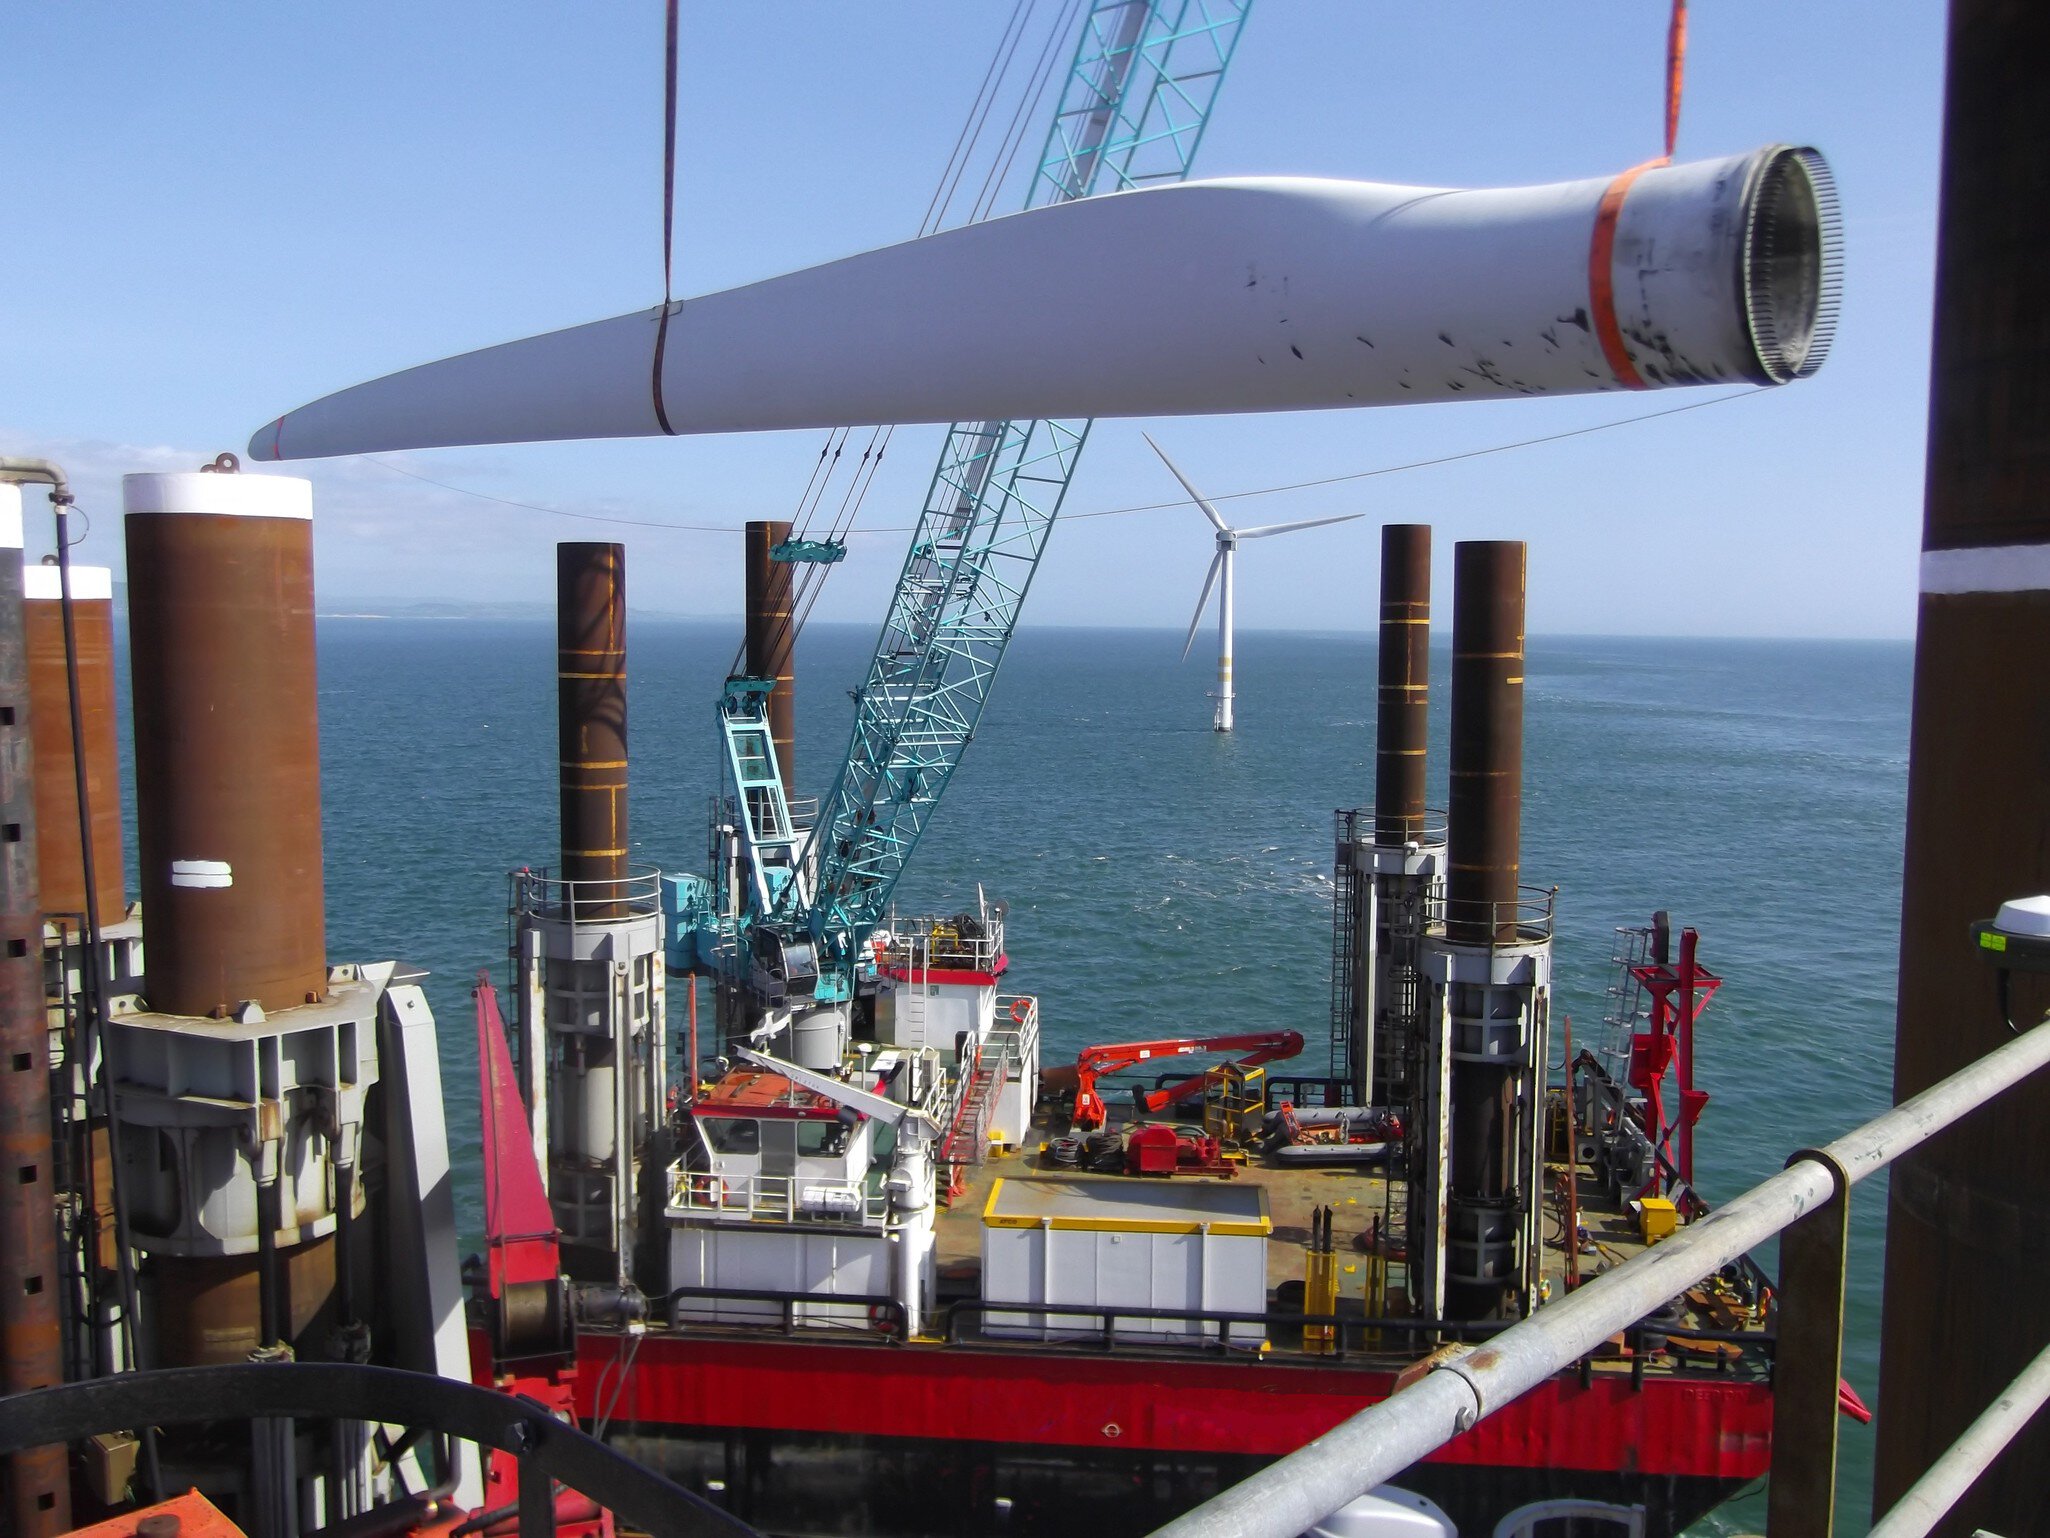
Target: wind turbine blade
{"x": 1289, "y": 528}
{"x": 1209, "y": 581}
{"x": 1194, "y": 495}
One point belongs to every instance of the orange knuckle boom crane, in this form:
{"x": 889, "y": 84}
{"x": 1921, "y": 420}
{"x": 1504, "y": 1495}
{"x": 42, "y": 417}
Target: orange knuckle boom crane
{"x": 1094, "y": 1063}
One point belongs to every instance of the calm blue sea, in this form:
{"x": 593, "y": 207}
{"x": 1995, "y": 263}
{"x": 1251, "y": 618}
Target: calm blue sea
{"x": 1163, "y": 880}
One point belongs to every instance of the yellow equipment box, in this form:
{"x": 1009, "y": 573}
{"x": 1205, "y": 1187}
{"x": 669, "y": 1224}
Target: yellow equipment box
{"x": 1657, "y": 1218}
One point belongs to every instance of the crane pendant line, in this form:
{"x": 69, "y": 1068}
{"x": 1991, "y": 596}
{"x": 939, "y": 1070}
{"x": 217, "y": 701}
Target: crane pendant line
{"x": 1133, "y": 109}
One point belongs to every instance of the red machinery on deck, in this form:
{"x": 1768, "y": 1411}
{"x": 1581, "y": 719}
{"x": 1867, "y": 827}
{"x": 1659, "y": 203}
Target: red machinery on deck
{"x": 1678, "y": 996}
{"x": 532, "y": 1343}
{"x": 1095, "y": 1062}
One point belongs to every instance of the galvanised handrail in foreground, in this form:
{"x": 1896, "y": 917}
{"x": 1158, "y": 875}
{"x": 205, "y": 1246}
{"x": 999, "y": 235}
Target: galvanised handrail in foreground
{"x": 1950, "y": 1476}
{"x": 1296, "y": 1493}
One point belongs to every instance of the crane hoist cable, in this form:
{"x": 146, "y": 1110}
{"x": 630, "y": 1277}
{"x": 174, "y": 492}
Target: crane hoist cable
{"x": 1026, "y": 113}
{"x": 998, "y": 175}
{"x": 950, "y": 180}
{"x": 811, "y": 578}
{"x": 810, "y": 582}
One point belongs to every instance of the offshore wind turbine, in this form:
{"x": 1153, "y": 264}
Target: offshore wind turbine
{"x": 1223, "y": 563}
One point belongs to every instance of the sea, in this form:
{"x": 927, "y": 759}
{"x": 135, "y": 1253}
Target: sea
{"x": 1164, "y": 880}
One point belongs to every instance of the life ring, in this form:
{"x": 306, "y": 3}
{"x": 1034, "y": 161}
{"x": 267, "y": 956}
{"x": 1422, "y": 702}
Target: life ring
{"x": 1020, "y": 1008}
{"x": 704, "y": 1191}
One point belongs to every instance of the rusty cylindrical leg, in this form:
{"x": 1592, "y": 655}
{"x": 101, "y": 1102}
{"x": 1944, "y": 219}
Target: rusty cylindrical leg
{"x": 38, "y": 1481}
{"x": 771, "y": 639}
{"x": 1403, "y": 718}
{"x": 1482, "y": 859}
{"x": 1968, "y": 1218}
{"x": 60, "y": 861}
{"x": 590, "y": 623}
{"x": 1486, "y": 810}
{"x": 227, "y": 740}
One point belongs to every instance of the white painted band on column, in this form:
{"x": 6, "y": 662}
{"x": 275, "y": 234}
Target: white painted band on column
{"x": 1990, "y": 569}
{"x": 233, "y": 496}
{"x": 87, "y": 583}
{"x": 10, "y": 516}
{"x": 201, "y": 873}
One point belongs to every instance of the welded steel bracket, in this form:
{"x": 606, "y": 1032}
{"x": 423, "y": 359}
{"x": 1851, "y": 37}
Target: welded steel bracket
{"x": 549, "y": 1451}
{"x": 1808, "y": 1362}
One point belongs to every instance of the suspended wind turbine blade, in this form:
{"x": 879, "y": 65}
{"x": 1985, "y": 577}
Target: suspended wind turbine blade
{"x": 1209, "y": 581}
{"x": 1194, "y": 495}
{"x": 1289, "y": 528}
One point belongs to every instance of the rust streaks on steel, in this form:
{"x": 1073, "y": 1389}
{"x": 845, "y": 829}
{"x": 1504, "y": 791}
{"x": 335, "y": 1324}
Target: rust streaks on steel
{"x": 1486, "y": 802}
{"x": 772, "y": 638}
{"x": 210, "y": 1308}
{"x": 60, "y": 861}
{"x": 590, "y": 618}
{"x": 38, "y": 1480}
{"x": 227, "y": 737}
{"x": 1968, "y": 1217}
{"x": 1403, "y": 716}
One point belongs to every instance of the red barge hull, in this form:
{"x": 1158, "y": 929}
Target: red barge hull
{"x": 804, "y": 1437}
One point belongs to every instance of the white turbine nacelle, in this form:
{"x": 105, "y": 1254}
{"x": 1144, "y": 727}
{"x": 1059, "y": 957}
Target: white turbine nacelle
{"x": 1224, "y": 565}
{"x": 1254, "y": 294}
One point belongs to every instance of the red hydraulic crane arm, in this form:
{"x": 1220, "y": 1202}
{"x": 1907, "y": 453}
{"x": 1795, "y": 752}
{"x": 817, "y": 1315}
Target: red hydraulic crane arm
{"x": 1094, "y": 1062}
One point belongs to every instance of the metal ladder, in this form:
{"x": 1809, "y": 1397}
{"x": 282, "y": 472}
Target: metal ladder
{"x": 1345, "y": 918}
{"x": 764, "y": 809}
{"x": 1394, "y": 1257}
{"x": 1624, "y": 1014}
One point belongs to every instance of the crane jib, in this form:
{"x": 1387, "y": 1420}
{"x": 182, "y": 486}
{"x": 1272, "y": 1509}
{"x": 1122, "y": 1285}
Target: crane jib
{"x": 1132, "y": 112}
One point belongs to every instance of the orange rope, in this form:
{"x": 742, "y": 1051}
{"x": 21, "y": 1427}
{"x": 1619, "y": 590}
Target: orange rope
{"x": 1676, "y": 62}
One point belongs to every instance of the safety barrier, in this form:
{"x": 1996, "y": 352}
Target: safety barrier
{"x": 1808, "y": 1202}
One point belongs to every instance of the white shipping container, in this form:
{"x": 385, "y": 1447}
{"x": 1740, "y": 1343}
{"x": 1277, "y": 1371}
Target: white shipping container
{"x": 1121, "y": 1243}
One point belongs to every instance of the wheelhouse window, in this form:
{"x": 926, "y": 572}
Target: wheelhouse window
{"x": 733, "y": 1134}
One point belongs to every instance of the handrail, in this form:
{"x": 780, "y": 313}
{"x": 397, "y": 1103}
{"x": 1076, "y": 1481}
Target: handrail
{"x": 1104, "y": 1322}
{"x": 882, "y": 1308}
{"x": 778, "y": 1198}
{"x": 1949, "y": 1477}
{"x": 538, "y": 893}
{"x": 1357, "y": 825}
{"x": 1299, "y": 1491}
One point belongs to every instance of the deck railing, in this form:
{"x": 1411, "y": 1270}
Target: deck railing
{"x": 779, "y": 1198}
{"x": 1002, "y": 1054}
{"x": 1808, "y": 1202}
{"x": 538, "y": 893}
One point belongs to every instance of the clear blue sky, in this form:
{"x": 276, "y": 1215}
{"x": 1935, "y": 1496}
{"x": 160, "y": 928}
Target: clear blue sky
{"x": 222, "y": 211}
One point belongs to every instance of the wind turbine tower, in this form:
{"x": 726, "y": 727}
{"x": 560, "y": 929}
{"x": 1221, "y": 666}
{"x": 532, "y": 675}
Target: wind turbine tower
{"x": 1221, "y": 565}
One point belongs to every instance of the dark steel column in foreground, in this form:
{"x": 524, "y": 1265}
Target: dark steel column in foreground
{"x": 1403, "y": 718}
{"x": 1486, "y": 804}
{"x": 590, "y": 621}
{"x": 771, "y": 637}
{"x": 227, "y": 744}
{"x": 1968, "y": 1216}
{"x": 38, "y": 1480}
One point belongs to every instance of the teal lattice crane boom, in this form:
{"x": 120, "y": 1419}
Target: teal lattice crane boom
{"x": 1132, "y": 112}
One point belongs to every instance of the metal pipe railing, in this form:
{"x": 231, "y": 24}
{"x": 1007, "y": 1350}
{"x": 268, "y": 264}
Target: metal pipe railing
{"x": 1296, "y": 1493}
{"x": 1950, "y": 1476}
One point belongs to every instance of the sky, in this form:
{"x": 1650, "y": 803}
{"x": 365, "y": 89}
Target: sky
{"x": 222, "y": 211}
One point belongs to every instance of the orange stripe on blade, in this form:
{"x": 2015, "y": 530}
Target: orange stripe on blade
{"x": 1601, "y": 278}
